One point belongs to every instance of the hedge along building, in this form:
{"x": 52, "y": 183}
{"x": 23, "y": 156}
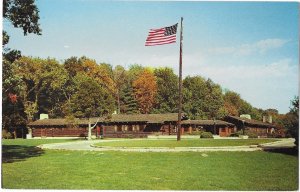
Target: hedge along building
{"x": 250, "y": 125}
{"x": 121, "y": 125}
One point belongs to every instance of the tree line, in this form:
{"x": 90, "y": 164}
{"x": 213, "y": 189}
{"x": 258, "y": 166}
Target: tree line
{"x": 81, "y": 87}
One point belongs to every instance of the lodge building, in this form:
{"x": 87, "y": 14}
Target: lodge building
{"x": 142, "y": 125}
{"x": 251, "y": 125}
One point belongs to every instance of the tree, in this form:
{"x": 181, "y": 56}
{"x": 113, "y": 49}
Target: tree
{"x": 13, "y": 116}
{"x": 120, "y": 82}
{"x": 145, "y": 90}
{"x": 194, "y": 91}
{"x": 167, "y": 91}
{"x": 102, "y": 73}
{"x": 235, "y": 105}
{"x": 134, "y": 71}
{"x": 73, "y": 65}
{"x": 12, "y": 109}
{"x": 232, "y": 102}
{"x": 214, "y": 100}
{"x": 128, "y": 104}
{"x": 291, "y": 120}
{"x": 39, "y": 76}
{"x": 22, "y": 14}
{"x": 91, "y": 100}
{"x": 202, "y": 99}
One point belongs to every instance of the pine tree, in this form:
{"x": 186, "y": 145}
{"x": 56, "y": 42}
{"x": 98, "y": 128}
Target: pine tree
{"x": 128, "y": 103}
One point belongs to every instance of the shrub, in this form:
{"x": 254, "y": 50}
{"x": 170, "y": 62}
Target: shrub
{"x": 130, "y": 136}
{"x": 206, "y": 135}
{"x": 251, "y": 134}
{"x": 6, "y": 135}
{"x": 196, "y": 132}
{"x": 234, "y": 135}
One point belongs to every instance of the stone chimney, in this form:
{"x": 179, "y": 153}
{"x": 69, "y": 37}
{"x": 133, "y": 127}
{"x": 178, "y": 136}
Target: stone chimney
{"x": 44, "y": 116}
{"x": 270, "y": 119}
{"x": 264, "y": 119}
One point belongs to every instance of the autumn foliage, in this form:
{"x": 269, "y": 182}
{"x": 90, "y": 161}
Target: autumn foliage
{"x": 145, "y": 90}
{"x": 12, "y": 97}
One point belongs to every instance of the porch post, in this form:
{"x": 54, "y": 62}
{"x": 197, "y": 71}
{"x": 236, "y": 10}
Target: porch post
{"x": 90, "y": 131}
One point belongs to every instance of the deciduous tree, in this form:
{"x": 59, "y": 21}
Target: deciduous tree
{"x": 91, "y": 99}
{"x": 37, "y": 76}
{"x": 167, "y": 91}
{"x": 291, "y": 120}
{"x": 202, "y": 99}
{"x": 194, "y": 91}
{"x": 145, "y": 90}
{"x": 236, "y": 106}
{"x": 22, "y": 14}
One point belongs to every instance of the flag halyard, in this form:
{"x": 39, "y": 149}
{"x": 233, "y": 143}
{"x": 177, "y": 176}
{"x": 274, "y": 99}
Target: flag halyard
{"x": 161, "y": 36}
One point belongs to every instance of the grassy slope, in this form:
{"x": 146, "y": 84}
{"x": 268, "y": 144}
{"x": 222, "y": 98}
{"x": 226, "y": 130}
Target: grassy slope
{"x": 186, "y": 143}
{"x": 162, "y": 171}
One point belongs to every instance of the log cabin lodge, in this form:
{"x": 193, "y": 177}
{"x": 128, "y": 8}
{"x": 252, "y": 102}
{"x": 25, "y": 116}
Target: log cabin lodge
{"x": 142, "y": 125}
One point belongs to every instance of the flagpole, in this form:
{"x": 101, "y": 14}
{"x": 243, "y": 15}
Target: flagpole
{"x": 180, "y": 85}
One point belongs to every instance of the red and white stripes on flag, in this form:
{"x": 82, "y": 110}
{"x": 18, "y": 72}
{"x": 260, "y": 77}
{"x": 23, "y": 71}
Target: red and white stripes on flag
{"x": 165, "y": 35}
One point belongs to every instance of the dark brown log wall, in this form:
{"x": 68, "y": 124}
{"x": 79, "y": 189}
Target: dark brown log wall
{"x": 61, "y": 132}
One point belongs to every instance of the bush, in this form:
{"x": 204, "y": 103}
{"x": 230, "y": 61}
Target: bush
{"x": 236, "y": 134}
{"x": 196, "y": 132}
{"x": 130, "y": 136}
{"x": 6, "y": 135}
{"x": 251, "y": 134}
{"x": 206, "y": 135}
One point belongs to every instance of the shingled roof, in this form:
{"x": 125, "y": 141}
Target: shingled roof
{"x": 63, "y": 122}
{"x": 207, "y": 122}
{"x": 116, "y": 118}
{"x": 149, "y": 118}
{"x": 247, "y": 122}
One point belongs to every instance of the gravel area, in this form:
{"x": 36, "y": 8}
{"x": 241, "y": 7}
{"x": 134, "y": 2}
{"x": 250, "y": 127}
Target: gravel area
{"x": 89, "y": 146}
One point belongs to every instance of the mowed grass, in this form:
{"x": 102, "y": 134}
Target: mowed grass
{"x": 185, "y": 143}
{"x": 34, "y": 142}
{"x": 150, "y": 171}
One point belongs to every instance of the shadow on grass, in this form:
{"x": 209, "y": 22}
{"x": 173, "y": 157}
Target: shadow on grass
{"x": 287, "y": 151}
{"x": 15, "y": 153}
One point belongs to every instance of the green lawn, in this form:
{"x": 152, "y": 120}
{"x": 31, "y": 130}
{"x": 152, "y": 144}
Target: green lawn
{"x": 53, "y": 169}
{"x": 34, "y": 142}
{"x": 185, "y": 143}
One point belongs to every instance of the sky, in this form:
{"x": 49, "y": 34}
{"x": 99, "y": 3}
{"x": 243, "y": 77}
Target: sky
{"x": 251, "y": 48}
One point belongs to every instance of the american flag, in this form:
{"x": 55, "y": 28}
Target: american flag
{"x": 161, "y": 36}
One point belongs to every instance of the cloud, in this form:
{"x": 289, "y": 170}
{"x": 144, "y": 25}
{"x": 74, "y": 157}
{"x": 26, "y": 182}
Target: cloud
{"x": 66, "y": 46}
{"x": 249, "y": 71}
{"x": 266, "y": 86}
{"x": 260, "y": 47}
{"x": 268, "y": 44}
